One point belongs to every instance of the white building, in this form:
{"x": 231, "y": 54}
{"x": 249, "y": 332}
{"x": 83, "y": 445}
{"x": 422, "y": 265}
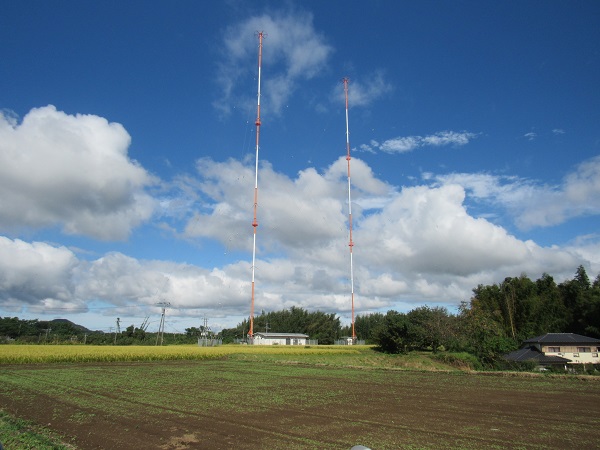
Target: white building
{"x": 280, "y": 339}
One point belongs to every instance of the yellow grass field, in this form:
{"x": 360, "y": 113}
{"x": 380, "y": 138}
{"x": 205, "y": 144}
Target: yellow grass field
{"x": 31, "y": 354}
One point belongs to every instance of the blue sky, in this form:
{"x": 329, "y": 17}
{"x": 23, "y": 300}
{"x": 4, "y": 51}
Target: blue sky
{"x": 127, "y": 146}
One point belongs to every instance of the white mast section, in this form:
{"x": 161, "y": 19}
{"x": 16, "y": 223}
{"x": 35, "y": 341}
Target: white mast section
{"x": 254, "y": 221}
{"x": 351, "y": 243}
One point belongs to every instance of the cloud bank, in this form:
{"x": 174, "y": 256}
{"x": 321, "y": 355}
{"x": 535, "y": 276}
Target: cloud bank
{"x": 413, "y": 245}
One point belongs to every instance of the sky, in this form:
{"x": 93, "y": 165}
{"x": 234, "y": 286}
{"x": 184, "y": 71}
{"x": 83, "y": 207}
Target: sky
{"x": 128, "y": 146}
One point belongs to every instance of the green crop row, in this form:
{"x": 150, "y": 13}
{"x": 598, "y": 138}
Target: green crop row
{"x": 16, "y": 433}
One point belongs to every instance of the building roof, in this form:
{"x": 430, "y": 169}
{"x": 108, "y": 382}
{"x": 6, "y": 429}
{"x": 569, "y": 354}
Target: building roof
{"x": 533, "y": 354}
{"x": 562, "y": 338}
{"x": 281, "y": 335}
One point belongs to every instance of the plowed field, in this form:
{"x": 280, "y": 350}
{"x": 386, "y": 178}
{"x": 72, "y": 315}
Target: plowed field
{"x": 228, "y": 404}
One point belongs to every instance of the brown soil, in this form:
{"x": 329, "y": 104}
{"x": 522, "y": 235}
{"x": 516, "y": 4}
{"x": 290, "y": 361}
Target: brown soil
{"x": 427, "y": 410}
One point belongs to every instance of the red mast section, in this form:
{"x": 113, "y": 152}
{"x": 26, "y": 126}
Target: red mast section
{"x": 350, "y": 244}
{"x": 254, "y": 221}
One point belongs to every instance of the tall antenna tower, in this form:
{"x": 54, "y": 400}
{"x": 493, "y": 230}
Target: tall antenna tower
{"x": 350, "y": 244}
{"x": 254, "y": 221}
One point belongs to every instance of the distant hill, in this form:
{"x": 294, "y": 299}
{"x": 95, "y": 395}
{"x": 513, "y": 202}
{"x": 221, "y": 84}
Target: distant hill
{"x": 63, "y": 322}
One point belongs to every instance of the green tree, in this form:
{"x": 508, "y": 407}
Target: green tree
{"x": 549, "y": 314}
{"x": 194, "y": 332}
{"x": 590, "y": 308}
{"x": 16, "y": 328}
{"x": 483, "y": 335}
{"x": 317, "y": 325}
{"x": 430, "y": 327}
{"x": 581, "y": 277}
{"x": 10, "y": 327}
{"x": 520, "y": 295}
{"x": 392, "y": 335}
{"x": 591, "y": 314}
{"x": 576, "y": 296}
{"x": 323, "y": 327}
{"x": 365, "y": 326}
{"x": 512, "y": 304}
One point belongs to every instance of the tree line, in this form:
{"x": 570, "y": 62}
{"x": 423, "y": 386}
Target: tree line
{"x": 61, "y": 331}
{"x": 496, "y": 320}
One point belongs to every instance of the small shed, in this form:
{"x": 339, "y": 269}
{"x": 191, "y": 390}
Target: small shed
{"x": 280, "y": 339}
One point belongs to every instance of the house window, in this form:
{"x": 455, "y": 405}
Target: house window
{"x": 584, "y": 349}
{"x": 594, "y": 355}
{"x": 553, "y": 349}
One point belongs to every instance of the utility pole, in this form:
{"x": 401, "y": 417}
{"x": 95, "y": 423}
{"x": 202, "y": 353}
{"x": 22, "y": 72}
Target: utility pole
{"x": 161, "y": 327}
{"x": 117, "y": 330}
{"x": 205, "y": 333}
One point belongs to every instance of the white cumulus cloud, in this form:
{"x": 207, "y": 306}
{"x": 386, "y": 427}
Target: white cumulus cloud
{"x": 36, "y": 274}
{"x": 405, "y": 144}
{"x": 292, "y": 50}
{"x": 70, "y": 171}
{"x": 533, "y": 204}
{"x": 364, "y": 91}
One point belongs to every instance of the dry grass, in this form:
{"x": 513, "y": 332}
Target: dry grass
{"x": 32, "y": 354}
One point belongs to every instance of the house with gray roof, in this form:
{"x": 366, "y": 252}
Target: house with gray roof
{"x": 558, "y": 349}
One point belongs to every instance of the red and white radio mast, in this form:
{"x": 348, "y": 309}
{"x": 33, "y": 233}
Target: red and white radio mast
{"x": 254, "y": 221}
{"x": 350, "y": 244}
